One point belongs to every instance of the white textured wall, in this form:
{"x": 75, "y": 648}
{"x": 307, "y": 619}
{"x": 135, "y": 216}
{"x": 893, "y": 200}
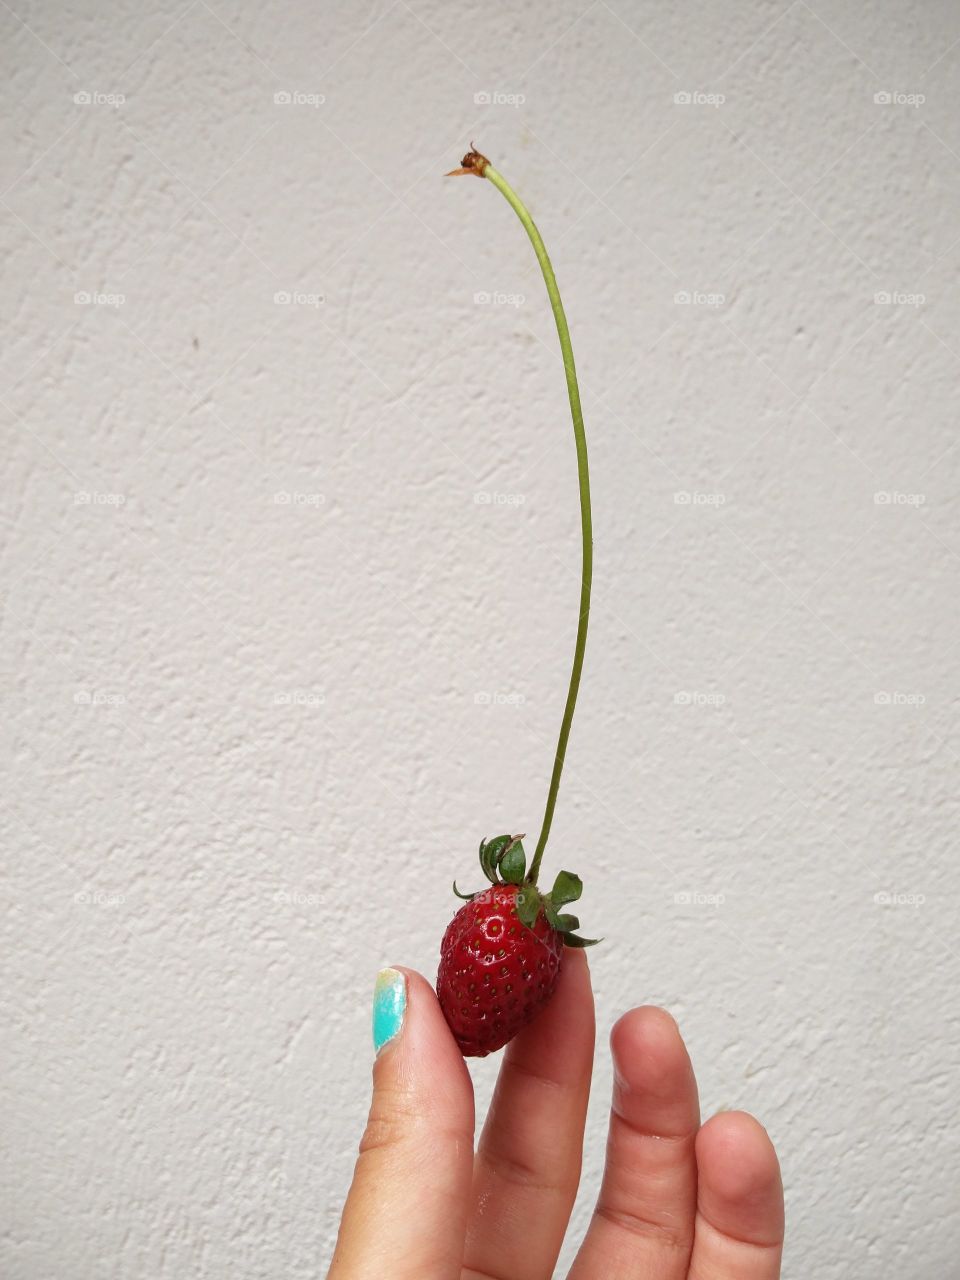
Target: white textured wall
{"x": 243, "y": 751}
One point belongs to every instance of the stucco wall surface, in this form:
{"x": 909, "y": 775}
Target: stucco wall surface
{"x": 290, "y": 566}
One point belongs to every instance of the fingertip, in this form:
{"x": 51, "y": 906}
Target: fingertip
{"x": 559, "y": 1043}
{"x": 421, "y": 1051}
{"x": 572, "y": 1002}
{"x": 575, "y": 974}
{"x": 736, "y": 1153}
{"x": 654, "y": 1087}
{"x": 741, "y": 1192}
{"x": 417, "y": 985}
{"x": 648, "y": 1049}
{"x": 646, "y": 1018}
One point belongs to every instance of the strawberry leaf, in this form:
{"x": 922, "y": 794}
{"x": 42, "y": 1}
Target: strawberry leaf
{"x": 466, "y": 897}
{"x": 498, "y": 844}
{"x": 488, "y": 860}
{"x": 566, "y": 924}
{"x": 513, "y": 864}
{"x": 553, "y": 920}
{"x": 496, "y": 849}
{"x": 571, "y": 940}
{"x": 528, "y": 906}
{"x": 566, "y": 888}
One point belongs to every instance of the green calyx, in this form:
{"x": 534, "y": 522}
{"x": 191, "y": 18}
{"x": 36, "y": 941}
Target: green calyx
{"x": 503, "y": 862}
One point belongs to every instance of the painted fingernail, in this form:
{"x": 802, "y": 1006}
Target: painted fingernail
{"x": 389, "y": 1006}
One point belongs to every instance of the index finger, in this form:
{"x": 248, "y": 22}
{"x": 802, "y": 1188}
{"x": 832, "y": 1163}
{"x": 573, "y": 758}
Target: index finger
{"x": 527, "y": 1167}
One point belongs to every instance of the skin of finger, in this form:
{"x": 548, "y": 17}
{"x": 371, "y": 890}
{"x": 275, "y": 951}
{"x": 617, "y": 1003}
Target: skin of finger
{"x": 527, "y": 1168}
{"x": 739, "y": 1231}
{"x": 407, "y": 1208}
{"x": 643, "y": 1224}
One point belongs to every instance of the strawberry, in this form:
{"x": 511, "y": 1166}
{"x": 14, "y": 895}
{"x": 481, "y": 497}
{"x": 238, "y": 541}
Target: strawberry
{"x": 501, "y": 954}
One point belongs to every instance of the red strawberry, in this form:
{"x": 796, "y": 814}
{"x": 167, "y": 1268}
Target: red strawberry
{"x": 501, "y": 954}
{"x": 495, "y": 972}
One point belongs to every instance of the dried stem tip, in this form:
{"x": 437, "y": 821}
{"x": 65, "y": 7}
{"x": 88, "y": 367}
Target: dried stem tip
{"x": 473, "y": 162}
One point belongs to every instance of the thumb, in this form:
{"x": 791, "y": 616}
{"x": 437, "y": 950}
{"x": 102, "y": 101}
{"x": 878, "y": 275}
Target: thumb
{"x": 405, "y": 1216}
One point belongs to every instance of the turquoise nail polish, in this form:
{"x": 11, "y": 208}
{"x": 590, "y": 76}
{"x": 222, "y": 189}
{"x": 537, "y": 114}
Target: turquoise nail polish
{"x": 389, "y": 1006}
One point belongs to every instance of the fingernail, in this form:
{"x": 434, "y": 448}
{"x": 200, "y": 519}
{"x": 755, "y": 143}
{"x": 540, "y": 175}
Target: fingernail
{"x": 389, "y": 1006}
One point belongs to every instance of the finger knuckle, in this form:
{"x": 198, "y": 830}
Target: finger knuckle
{"x": 666, "y": 1235}
{"x": 388, "y": 1125}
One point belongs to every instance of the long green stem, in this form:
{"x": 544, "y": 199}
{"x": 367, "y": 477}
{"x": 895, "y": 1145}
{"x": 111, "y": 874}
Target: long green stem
{"x": 486, "y": 170}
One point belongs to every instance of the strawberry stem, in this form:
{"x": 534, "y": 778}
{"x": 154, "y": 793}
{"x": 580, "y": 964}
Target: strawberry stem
{"x": 475, "y": 163}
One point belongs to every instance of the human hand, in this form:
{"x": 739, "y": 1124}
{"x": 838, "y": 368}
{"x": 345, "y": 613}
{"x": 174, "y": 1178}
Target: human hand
{"x": 678, "y": 1201}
